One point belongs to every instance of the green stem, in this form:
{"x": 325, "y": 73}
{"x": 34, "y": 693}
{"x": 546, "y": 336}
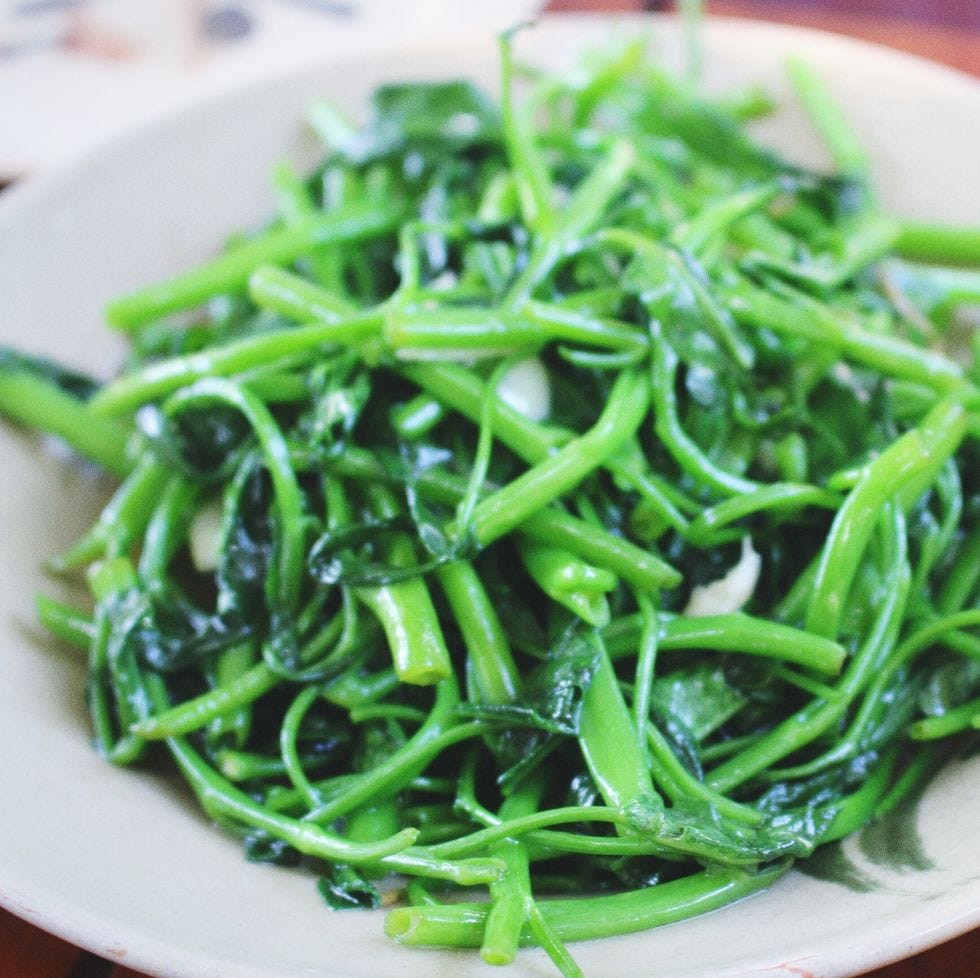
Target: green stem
{"x": 941, "y": 243}
{"x": 166, "y": 376}
{"x": 587, "y": 918}
{"x": 409, "y": 761}
{"x": 610, "y": 743}
{"x": 507, "y": 508}
{"x": 285, "y": 585}
{"x": 464, "y": 392}
{"x": 64, "y": 622}
{"x": 688, "y": 455}
{"x": 954, "y": 721}
{"x": 230, "y": 271}
{"x": 199, "y": 711}
{"x": 899, "y": 471}
{"x": 495, "y": 674}
{"x": 808, "y": 723}
{"x": 406, "y": 613}
{"x": 39, "y": 404}
{"x": 510, "y": 895}
{"x": 845, "y": 149}
{"x": 569, "y": 581}
{"x": 297, "y": 298}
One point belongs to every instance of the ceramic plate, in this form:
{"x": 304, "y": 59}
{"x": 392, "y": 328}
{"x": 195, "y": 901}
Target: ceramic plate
{"x": 118, "y": 863}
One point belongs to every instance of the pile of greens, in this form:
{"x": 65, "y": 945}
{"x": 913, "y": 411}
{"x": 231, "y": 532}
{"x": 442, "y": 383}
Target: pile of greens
{"x": 556, "y": 497}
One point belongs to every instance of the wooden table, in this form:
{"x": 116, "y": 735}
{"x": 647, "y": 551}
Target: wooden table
{"x": 944, "y": 30}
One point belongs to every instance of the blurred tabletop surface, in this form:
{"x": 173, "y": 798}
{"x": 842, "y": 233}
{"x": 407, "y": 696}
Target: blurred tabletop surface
{"x": 947, "y": 31}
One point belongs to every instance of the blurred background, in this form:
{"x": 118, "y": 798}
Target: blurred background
{"x": 943, "y": 30}
{"x": 73, "y": 72}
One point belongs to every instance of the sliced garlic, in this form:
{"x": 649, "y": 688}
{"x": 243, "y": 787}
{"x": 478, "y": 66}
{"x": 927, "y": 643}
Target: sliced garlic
{"x": 527, "y": 389}
{"x": 731, "y": 592}
{"x": 204, "y": 536}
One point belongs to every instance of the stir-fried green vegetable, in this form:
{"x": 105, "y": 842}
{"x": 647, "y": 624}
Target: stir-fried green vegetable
{"x": 556, "y": 497}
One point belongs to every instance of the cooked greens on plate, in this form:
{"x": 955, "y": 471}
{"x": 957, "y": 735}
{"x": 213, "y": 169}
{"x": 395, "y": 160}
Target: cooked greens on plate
{"x": 559, "y": 519}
